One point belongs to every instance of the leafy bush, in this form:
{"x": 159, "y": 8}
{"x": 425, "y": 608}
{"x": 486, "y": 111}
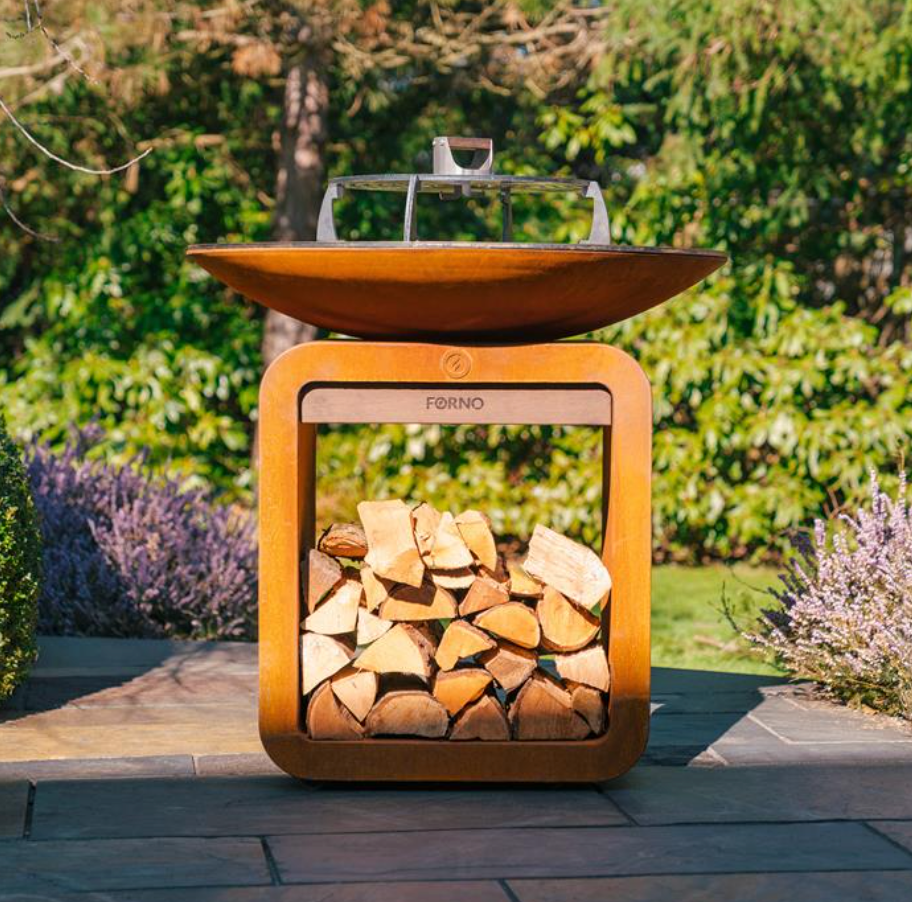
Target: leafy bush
{"x": 20, "y": 567}
{"x": 777, "y": 132}
{"x": 755, "y": 433}
{"x": 844, "y": 614}
{"x": 129, "y": 554}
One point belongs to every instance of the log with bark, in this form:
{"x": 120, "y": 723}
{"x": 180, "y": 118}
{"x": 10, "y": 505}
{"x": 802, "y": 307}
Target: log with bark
{"x": 509, "y": 664}
{"x": 484, "y": 720}
{"x": 454, "y": 689}
{"x": 564, "y": 626}
{"x": 426, "y": 602}
{"x": 408, "y": 713}
{"x": 344, "y": 540}
{"x": 356, "y": 689}
{"x": 544, "y": 710}
{"x": 328, "y": 719}
{"x": 461, "y": 640}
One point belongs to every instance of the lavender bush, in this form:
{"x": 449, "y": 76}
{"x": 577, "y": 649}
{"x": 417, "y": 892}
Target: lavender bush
{"x": 844, "y": 614}
{"x": 127, "y": 553}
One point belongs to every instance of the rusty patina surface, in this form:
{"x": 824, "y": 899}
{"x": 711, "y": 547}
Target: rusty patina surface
{"x": 456, "y": 292}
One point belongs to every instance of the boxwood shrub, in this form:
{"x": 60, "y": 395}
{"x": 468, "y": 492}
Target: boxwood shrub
{"x": 20, "y": 567}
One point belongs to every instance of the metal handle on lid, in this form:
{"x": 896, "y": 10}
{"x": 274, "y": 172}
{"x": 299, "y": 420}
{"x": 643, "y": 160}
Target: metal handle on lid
{"x": 600, "y": 231}
{"x": 482, "y": 159}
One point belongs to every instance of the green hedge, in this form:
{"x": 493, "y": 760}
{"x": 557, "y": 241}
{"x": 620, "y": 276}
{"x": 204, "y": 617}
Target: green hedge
{"x": 20, "y": 568}
{"x": 759, "y": 428}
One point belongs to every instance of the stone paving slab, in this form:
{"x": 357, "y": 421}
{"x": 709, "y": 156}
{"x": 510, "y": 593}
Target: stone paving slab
{"x": 622, "y": 851}
{"x": 453, "y": 891}
{"x": 898, "y": 831}
{"x": 252, "y": 763}
{"x": 671, "y": 795}
{"x": 750, "y": 743}
{"x": 43, "y": 867}
{"x": 270, "y": 805}
{"x": 13, "y": 803}
{"x": 92, "y": 768}
{"x": 808, "y": 721}
{"x": 872, "y": 886}
{"x": 67, "y": 653}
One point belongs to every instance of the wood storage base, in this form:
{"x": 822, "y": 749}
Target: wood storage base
{"x": 288, "y": 533}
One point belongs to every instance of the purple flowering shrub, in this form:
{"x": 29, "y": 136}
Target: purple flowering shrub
{"x": 844, "y": 614}
{"x": 127, "y": 553}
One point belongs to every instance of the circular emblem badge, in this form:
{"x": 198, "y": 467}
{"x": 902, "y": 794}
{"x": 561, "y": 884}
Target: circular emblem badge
{"x": 456, "y": 364}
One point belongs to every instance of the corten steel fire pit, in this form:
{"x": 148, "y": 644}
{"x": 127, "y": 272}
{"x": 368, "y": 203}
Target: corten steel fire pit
{"x": 457, "y": 332}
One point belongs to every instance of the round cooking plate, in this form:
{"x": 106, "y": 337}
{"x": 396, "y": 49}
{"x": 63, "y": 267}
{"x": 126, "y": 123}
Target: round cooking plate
{"x": 440, "y": 291}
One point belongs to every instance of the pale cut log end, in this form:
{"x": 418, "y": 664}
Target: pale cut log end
{"x": 408, "y": 713}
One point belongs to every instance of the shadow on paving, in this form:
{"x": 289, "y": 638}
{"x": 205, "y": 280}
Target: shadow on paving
{"x": 692, "y": 710}
{"x": 88, "y": 671}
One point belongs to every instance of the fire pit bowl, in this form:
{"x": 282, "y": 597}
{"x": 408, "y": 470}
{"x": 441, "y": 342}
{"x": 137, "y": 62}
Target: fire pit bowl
{"x": 456, "y": 292}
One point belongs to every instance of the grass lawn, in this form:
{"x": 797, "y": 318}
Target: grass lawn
{"x": 688, "y": 627}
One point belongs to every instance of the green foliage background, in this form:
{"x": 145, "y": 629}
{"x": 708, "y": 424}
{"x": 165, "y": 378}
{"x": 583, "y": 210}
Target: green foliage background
{"x": 777, "y": 131}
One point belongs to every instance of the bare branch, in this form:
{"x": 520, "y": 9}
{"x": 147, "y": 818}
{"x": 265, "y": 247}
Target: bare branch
{"x": 63, "y": 162}
{"x": 41, "y": 236}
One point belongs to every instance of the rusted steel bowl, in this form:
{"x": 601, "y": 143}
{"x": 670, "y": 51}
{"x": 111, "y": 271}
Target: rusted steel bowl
{"x": 437, "y": 291}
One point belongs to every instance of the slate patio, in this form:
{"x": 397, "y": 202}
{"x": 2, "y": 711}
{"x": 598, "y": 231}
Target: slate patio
{"x": 131, "y": 770}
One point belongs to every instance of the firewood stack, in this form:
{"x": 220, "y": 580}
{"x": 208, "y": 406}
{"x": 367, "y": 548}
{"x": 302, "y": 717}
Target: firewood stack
{"x": 416, "y": 626}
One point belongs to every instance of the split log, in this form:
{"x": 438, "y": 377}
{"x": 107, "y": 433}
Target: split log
{"x": 370, "y": 627}
{"x": 321, "y": 657}
{"x": 401, "y": 650}
{"x": 408, "y": 713}
{"x": 484, "y": 719}
{"x": 376, "y": 588}
{"x": 521, "y": 584}
{"x": 439, "y": 540}
{"x": 339, "y": 613}
{"x": 392, "y": 552}
{"x": 589, "y": 667}
{"x": 484, "y": 593}
{"x": 356, "y": 689}
{"x": 475, "y": 529}
{"x": 542, "y": 710}
{"x": 512, "y": 621}
{"x": 453, "y": 579}
{"x": 327, "y": 719}
{"x": 323, "y": 575}
{"x": 564, "y": 626}
{"x": 573, "y": 569}
{"x": 454, "y": 689}
{"x": 425, "y": 603}
{"x": 344, "y": 540}
{"x": 509, "y": 664}
{"x": 461, "y": 640}
{"x": 590, "y": 705}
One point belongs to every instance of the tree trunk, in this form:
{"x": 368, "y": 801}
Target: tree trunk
{"x": 299, "y": 190}
{"x": 299, "y": 183}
